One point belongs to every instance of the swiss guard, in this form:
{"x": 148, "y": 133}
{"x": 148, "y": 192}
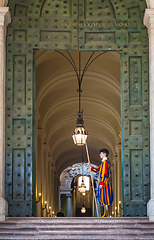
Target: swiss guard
{"x": 105, "y": 193}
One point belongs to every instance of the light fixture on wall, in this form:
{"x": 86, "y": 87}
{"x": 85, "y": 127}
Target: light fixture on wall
{"x": 45, "y": 205}
{"x": 49, "y": 210}
{"x": 40, "y": 195}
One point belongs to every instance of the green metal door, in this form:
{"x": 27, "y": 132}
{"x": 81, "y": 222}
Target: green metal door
{"x": 89, "y": 25}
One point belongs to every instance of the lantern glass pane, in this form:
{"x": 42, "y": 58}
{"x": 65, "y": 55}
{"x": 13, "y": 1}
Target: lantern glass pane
{"x": 85, "y": 180}
{"x": 82, "y": 188}
{"x": 79, "y": 136}
{"x": 74, "y": 139}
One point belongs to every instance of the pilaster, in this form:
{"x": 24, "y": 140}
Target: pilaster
{"x": 49, "y": 194}
{"x": 149, "y": 23}
{"x": 52, "y": 190}
{"x": 37, "y": 118}
{"x": 45, "y": 176}
{"x": 56, "y": 192}
{"x": 39, "y": 165}
{"x": 119, "y": 179}
{"x": 74, "y": 203}
{"x": 69, "y": 205}
{"x": 113, "y": 203}
{"x": 115, "y": 184}
{"x": 5, "y": 19}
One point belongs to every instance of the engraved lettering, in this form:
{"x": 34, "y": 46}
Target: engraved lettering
{"x": 95, "y": 24}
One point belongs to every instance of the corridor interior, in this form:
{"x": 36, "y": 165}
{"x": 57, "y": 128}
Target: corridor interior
{"x": 59, "y": 163}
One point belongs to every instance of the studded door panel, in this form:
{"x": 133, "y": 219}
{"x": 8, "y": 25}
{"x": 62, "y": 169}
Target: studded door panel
{"x": 117, "y": 25}
{"x": 36, "y": 25}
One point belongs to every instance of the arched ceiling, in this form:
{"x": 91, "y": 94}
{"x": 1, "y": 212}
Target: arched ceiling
{"x": 57, "y": 104}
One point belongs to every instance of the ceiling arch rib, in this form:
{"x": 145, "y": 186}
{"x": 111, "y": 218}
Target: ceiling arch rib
{"x": 101, "y": 122}
{"x": 70, "y": 101}
{"x": 70, "y": 157}
{"x": 66, "y": 141}
{"x": 67, "y": 138}
{"x": 43, "y": 55}
{"x": 55, "y": 65}
{"x": 97, "y": 128}
{"x": 50, "y": 83}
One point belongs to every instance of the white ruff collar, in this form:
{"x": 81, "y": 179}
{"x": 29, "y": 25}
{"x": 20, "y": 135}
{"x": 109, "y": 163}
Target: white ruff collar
{"x": 104, "y": 159}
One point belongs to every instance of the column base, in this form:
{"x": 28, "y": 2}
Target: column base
{"x": 150, "y": 210}
{"x": 3, "y": 209}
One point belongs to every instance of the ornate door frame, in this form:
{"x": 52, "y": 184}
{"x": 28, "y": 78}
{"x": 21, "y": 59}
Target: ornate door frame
{"x": 85, "y": 26}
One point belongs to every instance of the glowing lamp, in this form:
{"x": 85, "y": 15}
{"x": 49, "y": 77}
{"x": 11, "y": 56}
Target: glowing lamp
{"x": 83, "y": 210}
{"x": 82, "y": 188}
{"x": 79, "y": 135}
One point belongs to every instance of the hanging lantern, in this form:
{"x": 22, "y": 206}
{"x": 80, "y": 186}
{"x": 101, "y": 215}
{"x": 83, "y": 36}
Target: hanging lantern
{"x": 79, "y": 135}
{"x": 83, "y": 209}
{"x": 82, "y": 187}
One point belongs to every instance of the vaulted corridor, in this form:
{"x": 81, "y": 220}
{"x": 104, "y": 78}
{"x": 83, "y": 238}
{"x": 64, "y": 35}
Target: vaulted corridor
{"x": 56, "y": 113}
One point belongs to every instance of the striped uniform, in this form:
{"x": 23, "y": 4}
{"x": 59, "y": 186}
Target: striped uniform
{"x": 105, "y": 194}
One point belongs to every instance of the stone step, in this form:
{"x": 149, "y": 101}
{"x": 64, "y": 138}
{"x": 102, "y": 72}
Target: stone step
{"x": 76, "y": 231}
{"x": 76, "y": 228}
{"x": 80, "y": 226}
{"x": 76, "y": 219}
{"x": 27, "y": 233}
{"x": 77, "y": 236}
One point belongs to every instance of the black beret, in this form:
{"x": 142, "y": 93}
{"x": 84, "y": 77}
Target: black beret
{"x": 104, "y": 150}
